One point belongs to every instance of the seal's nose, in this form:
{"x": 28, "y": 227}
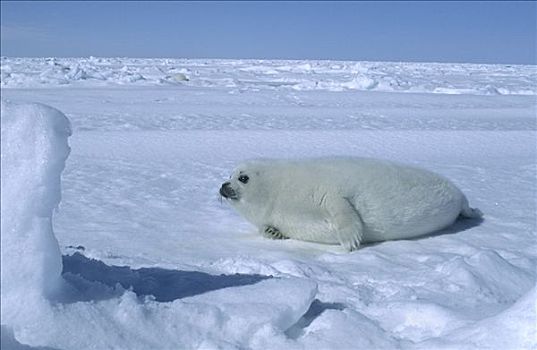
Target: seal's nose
{"x": 226, "y": 191}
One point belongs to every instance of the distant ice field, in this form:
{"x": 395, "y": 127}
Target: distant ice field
{"x": 242, "y": 75}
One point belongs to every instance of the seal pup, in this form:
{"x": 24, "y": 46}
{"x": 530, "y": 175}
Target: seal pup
{"x": 346, "y": 201}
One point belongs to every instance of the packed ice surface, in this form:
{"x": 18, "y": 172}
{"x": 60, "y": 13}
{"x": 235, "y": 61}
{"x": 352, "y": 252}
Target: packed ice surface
{"x": 151, "y": 251}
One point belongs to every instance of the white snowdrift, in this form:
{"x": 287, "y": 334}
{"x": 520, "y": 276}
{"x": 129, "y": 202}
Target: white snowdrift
{"x": 514, "y": 328}
{"x": 42, "y": 309}
{"x": 34, "y": 150}
{"x": 230, "y": 318}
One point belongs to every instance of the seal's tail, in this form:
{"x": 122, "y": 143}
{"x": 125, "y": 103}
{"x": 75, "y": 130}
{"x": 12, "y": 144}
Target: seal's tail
{"x": 470, "y": 213}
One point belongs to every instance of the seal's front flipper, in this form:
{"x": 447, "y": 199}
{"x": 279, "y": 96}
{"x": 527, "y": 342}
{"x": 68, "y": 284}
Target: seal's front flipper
{"x": 272, "y": 233}
{"x": 347, "y": 222}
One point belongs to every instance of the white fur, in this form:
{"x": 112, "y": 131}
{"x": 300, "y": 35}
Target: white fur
{"x": 346, "y": 201}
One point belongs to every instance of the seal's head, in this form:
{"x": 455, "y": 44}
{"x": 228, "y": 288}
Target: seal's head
{"x": 235, "y": 189}
{"x": 249, "y": 189}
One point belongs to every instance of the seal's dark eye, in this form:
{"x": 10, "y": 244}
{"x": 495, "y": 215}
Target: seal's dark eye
{"x": 244, "y": 178}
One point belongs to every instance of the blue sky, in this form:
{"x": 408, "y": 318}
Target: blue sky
{"x": 481, "y": 32}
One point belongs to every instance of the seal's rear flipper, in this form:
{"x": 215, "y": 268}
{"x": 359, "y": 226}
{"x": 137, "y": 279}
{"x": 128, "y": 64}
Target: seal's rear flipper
{"x": 470, "y": 213}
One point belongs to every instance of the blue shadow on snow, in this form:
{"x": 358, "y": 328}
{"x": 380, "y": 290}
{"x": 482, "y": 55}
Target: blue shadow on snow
{"x": 94, "y": 280}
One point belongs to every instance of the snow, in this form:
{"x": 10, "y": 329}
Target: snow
{"x": 152, "y": 258}
{"x": 34, "y": 149}
{"x": 512, "y": 328}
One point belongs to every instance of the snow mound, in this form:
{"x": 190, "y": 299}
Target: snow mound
{"x": 514, "y": 328}
{"x": 361, "y": 82}
{"x": 487, "y": 277}
{"x": 278, "y": 303}
{"x": 345, "y": 329}
{"x": 227, "y": 318}
{"x": 34, "y": 150}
